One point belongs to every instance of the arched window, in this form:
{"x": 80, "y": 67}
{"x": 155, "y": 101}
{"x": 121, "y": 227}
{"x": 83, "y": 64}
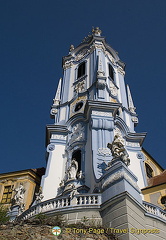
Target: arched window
{"x": 149, "y": 171}
{"x": 111, "y": 72}
{"x": 77, "y": 155}
{"x": 81, "y": 70}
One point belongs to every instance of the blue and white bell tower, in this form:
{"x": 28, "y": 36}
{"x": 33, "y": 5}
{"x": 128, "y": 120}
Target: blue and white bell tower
{"x": 94, "y": 122}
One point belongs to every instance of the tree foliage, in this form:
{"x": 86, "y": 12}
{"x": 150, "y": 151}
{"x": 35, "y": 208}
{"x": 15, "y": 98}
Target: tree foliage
{"x": 3, "y": 214}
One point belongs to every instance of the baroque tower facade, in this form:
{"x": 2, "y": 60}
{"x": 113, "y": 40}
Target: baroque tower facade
{"x": 92, "y": 105}
{"x": 95, "y": 165}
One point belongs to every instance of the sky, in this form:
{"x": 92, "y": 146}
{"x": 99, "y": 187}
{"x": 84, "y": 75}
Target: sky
{"x": 36, "y": 34}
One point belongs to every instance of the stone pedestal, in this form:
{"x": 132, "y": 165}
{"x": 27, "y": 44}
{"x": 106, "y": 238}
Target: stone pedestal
{"x": 14, "y": 212}
{"x": 119, "y": 179}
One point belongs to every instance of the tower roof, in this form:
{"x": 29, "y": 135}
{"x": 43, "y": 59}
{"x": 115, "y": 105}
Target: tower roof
{"x": 88, "y": 44}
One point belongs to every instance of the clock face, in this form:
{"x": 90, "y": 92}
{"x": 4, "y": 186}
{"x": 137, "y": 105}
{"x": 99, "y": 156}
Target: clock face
{"x": 78, "y": 106}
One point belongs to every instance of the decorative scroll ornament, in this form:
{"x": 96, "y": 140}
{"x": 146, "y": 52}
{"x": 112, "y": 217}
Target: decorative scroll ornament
{"x": 50, "y": 147}
{"x": 80, "y": 87}
{"x": 113, "y": 89}
{"x": 118, "y": 150}
{"x": 81, "y": 54}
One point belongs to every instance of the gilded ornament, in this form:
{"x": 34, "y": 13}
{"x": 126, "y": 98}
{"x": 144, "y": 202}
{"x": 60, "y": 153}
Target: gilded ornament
{"x": 96, "y": 31}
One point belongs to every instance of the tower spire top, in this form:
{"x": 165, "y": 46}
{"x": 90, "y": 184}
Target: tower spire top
{"x": 96, "y": 31}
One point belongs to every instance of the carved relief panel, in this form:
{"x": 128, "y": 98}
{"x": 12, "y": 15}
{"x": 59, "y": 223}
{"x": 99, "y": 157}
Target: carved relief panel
{"x": 77, "y": 133}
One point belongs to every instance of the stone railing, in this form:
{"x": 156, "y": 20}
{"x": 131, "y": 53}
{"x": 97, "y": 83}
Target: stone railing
{"x": 62, "y": 203}
{"x": 85, "y": 200}
{"x": 154, "y": 210}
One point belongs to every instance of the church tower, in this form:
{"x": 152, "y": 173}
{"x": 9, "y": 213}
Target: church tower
{"x": 94, "y": 123}
{"x": 95, "y": 163}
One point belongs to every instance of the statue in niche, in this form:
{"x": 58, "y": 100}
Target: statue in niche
{"x": 118, "y": 150}
{"x": 72, "y": 170}
{"x": 19, "y": 195}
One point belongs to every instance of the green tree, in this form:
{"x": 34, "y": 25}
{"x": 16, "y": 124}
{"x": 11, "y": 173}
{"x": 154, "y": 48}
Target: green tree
{"x": 3, "y": 214}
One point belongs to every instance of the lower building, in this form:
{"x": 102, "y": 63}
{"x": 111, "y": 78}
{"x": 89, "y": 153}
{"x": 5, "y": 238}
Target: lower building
{"x": 26, "y": 182}
{"x": 155, "y": 191}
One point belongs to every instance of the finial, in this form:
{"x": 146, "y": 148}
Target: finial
{"x": 130, "y": 101}
{"x": 96, "y": 31}
{"x": 71, "y": 48}
{"x": 58, "y": 92}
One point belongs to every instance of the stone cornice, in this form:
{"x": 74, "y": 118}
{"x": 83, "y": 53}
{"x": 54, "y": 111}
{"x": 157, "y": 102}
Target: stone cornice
{"x": 59, "y": 129}
{"x": 136, "y": 137}
{"x": 101, "y": 106}
{"x": 17, "y": 174}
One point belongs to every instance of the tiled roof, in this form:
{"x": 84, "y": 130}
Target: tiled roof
{"x": 157, "y": 180}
